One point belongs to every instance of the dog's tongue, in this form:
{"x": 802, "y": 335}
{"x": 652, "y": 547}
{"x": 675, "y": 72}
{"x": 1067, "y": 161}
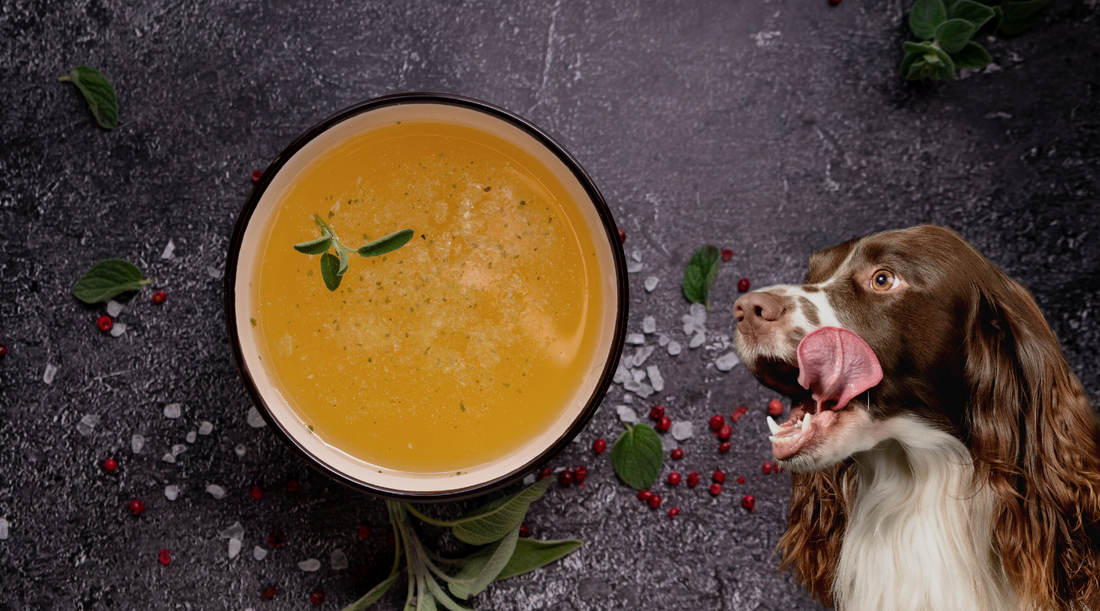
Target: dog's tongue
{"x": 835, "y": 365}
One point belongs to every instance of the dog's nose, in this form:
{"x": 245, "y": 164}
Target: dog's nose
{"x": 756, "y": 312}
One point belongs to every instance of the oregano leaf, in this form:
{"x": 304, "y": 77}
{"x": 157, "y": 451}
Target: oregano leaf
{"x": 925, "y": 16}
{"x": 637, "y": 455}
{"x": 495, "y": 520}
{"x": 386, "y": 244}
{"x": 98, "y": 92}
{"x": 908, "y": 61}
{"x": 375, "y": 594}
{"x": 343, "y": 254}
{"x": 330, "y": 271}
{"x": 973, "y": 55}
{"x": 531, "y": 554}
{"x": 314, "y": 247}
{"x": 107, "y": 279}
{"x": 974, "y": 12}
{"x": 953, "y": 34}
{"x": 699, "y": 274}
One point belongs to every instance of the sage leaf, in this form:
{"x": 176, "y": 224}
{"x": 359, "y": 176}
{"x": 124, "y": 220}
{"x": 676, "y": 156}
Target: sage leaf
{"x": 637, "y": 456}
{"x": 476, "y": 575}
{"x": 700, "y": 273}
{"x": 973, "y": 55}
{"x": 98, "y": 92}
{"x": 925, "y": 16}
{"x": 1019, "y": 16}
{"x": 107, "y": 279}
{"x": 424, "y": 600}
{"x": 314, "y": 247}
{"x": 444, "y": 598}
{"x": 343, "y": 254}
{"x": 386, "y": 244}
{"x": 330, "y": 271}
{"x": 953, "y": 34}
{"x": 974, "y": 12}
{"x": 376, "y": 593}
{"x": 531, "y": 554}
{"x": 495, "y": 520}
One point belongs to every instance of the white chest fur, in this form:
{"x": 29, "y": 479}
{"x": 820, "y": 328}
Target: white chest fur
{"x": 918, "y": 536}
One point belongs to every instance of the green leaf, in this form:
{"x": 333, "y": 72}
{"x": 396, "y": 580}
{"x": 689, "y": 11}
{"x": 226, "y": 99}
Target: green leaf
{"x": 330, "y": 271}
{"x": 990, "y": 28}
{"x": 387, "y": 244}
{"x": 637, "y": 456}
{"x": 424, "y": 600}
{"x": 374, "y": 595}
{"x": 443, "y": 598}
{"x": 1020, "y": 16}
{"x": 908, "y": 61}
{"x": 314, "y": 247}
{"x": 954, "y": 34}
{"x": 918, "y": 47}
{"x": 700, "y": 273}
{"x": 925, "y": 16}
{"x": 974, "y": 12}
{"x": 947, "y": 66}
{"x": 107, "y": 279}
{"x": 98, "y": 92}
{"x": 495, "y": 520}
{"x": 916, "y": 70}
{"x": 484, "y": 566}
{"x": 343, "y": 254}
{"x": 531, "y": 554}
{"x": 973, "y": 55}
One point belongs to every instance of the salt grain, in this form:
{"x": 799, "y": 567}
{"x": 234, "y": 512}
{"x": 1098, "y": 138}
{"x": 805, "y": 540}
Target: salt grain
{"x": 642, "y": 354}
{"x": 178, "y": 449}
{"x": 234, "y": 548}
{"x": 172, "y": 410}
{"x": 689, "y": 324}
{"x": 633, "y": 267}
{"x": 530, "y": 479}
{"x": 309, "y": 565}
{"x": 644, "y": 390}
{"x": 205, "y": 428}
{"x": 637, "y": 374}
{"x": 674, "y": 348}
{"x": 338, "y": 560}
{"x": 627, "y": 414}
{"x": 635, "y": 339}
{"x": 699, "y": 313}
{"x": 699, "y": 339}
{"x": 3, "y": 529}
{"x": 87, "y": 424}
{"x": 655, "y": 378}
{"x": 622, "y": 374}
{"x": 727, "y": 361}
{"x": 651, "y": 283}
{"x": 649, "y": 324}
{"x": 114, "y": 308}
{"x": 191, "y": 437}
{"x": 628, "y": 398}
{"x": 255, "y": 420}
{"x": 632, "y": 385}
{"x": 236, "y": 531}
{"x": 240, "y": 450}
{"x": 168, "y": 250}
{"x": 168, "y": 457}
{"x": 662, "y": 340}
{"x": 216, "y": 491}
{"x": 172, "y": 492}
{"x": 682, "y": 429}
{"x": 636, "y": 255}
{"x": 50, "y": 373}
{"x": 118, "y": 329}
{"x": 214, "y": 272}
{"x": 259, "y": 553}
{"x": 137, "y": 442}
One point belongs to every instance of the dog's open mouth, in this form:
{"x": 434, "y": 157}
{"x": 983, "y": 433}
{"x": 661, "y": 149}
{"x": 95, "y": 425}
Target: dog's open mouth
{"x": 834, "y": 365}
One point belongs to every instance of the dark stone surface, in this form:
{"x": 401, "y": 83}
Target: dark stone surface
{"x": 773, "y": 128}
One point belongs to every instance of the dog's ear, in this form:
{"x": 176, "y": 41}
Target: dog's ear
{"x": 1036, "y": 444}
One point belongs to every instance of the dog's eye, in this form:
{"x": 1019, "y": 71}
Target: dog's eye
{"x": 884, "y": 280}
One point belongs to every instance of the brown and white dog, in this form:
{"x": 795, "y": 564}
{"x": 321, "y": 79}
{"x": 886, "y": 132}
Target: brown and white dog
{"x": 944, "y": 456}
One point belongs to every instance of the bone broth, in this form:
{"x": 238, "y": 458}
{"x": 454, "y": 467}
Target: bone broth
{"x": 462, "y": 345}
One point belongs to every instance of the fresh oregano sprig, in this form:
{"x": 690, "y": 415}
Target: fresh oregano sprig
{"x": 107, "y": 279}
{"x": 98, "y": 92}
{"x": 700, "y": 273}
{"x": 505, "y": 554}
{"x": 333, "y": 267}
{"x": 947, "y": 30}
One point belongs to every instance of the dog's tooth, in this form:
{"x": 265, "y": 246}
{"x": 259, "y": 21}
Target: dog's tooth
{"x": 772, "y": 425}
{"x": 773, "y": 439}
{"x": 806, "y": 423}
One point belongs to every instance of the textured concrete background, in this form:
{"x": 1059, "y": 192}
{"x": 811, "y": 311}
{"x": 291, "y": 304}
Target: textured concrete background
{"x": 771, "y": 127}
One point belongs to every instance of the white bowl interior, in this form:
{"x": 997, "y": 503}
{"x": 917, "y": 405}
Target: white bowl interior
{"x": 250, "y": 257}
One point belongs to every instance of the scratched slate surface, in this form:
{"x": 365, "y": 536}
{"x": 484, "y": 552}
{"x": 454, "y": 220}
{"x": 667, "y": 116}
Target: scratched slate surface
{"x": 773, "y": 128}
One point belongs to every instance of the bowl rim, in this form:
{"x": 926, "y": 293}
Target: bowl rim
{"x": 611, "y": 234}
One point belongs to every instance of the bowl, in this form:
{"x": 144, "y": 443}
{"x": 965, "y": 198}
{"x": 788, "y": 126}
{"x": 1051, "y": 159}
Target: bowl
{"x": 343, "y": 382}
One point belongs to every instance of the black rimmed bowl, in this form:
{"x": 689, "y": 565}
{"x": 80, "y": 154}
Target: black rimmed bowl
{"x": 246, "y": 255}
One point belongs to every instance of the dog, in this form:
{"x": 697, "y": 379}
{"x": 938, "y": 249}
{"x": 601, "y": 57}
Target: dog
{"x": 943, "y": 455}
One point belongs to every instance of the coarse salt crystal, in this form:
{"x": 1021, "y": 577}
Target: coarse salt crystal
{"x": 236, "y": 531}
{"x": 635, "y": 339}
{"x": 644, "y": 390}
{"x": 3, "y": 529}
{"x": 205, "y": 428}
{"x": 234, "y": 548}
{"x": 50, "y": 373}
{"x": 168, "y": 250}
{"x": 655, "y": 378}
{"x": 674, "y": 348}
{"x": 727, "y": 361}
{"x": 114, "y": 308}
{"x": 309, "y": 565}
{"x": 172, "y": 492}
{"x": 633, "y": 267}
{"x": 338, "y": 560}
{"x": 168, "y": 457}
{"x": 240, "y": 450}
{"x": 255, "y": 420}
{"x": 216, "y": 491}
{"x": 172, "y": 410}
{"x": 191, "y": 437}
{"x": 178, "y": 449}
{"x": 637, "y": 374}
{"x": 259, "y": 553}
{"x": 699, "y": 339}
{"x": 622, "y": 374}
{"x": 642, "y": 354}
{"x": 214, "y": 272}
{"x": 682, "y": 429}
{"x": 530, "y": 479}
{"x": 118, "y": 329}
{"x": 628, "y": 398}
{"x": 137, "y": 442}
{"x": 87, "y": 424}
{"x": 651, "y": 283}
{"x": 627, "y": 414}
{"x": 636, "y": 255}
{"x": 649, "y": 324}
{"x": 662, "y": 340}
{"x": 699, "y": 313}
{"x": 632, "y": 385}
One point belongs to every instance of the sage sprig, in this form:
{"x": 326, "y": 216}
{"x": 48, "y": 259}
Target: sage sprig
{"x": 98, "y": 92}
{"x": 107, "y": 279}
{"x": 495, "y": 526}
{"x": 947, "y": 30}
{"x": 334, "y": 266}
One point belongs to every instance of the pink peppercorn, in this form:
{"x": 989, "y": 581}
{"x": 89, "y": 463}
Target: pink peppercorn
{"x": 725, "y": 432}
{"x": 364, "y": 532}
{"x": 256, "y": 492}
{"x": 657, "y": 412}
{"x": 693, "y": 479}
{"x": 676, "y": 454}
{"x": 164, "y": 557}
{"x": 673, "y": 478}
{"x": 716, "y": 489}
{"x": 110, "y": 464}
{"x": 664, "y": 424}
{"x": 599, "y": 446}
{"x": 724, "y": 447}
{"x": 748, "y": 502}
{"x": 718, "y": 476}
{"x": 644, "y": 495}
{"x": 654, "y": 501}
{"x": 672, "y": 513}
{"x": 565, "y": 478}
{"x": 743, "y": 285}
{"x": 104, "y": 323}
{"x": 257, "y": 175}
